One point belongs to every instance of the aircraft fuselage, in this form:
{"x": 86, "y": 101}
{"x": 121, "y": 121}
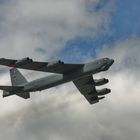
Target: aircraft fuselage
{"x": 57, "y": 79}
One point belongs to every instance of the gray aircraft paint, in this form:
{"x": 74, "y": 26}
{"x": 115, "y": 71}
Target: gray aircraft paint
{"x": 80, "y": 74}
{"x": 57, "y": 79}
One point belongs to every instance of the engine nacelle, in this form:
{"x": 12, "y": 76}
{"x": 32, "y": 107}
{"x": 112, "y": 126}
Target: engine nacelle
{"x": 54, "y": 63}
{"x": 23, "y": 61}
{"x": 101, "y": 82}
{"x": 93, "y": 101}
{"x": 101, "y": 98}
{"x": 103, "y": 91}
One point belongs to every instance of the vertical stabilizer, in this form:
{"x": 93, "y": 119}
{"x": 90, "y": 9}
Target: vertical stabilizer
{"x": 17, "y": 78}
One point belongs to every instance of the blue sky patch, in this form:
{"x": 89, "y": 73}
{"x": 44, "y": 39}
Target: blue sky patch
{"x": 125, "y": 22}
{"x": 75, "y": 50}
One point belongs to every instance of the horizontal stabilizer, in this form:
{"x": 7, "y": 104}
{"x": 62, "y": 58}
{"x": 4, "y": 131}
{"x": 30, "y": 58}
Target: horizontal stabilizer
{"x": 24, "y": 95}
{"x": 6, "y": 94}
{"x": 11, "y": 88}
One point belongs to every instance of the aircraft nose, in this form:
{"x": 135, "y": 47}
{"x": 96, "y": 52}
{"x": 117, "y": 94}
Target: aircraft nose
{"x": 111, "y": 62}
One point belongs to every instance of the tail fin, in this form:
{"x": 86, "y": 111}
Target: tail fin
{"x": 18, "y": 81}
{"x": 17, "y": 78}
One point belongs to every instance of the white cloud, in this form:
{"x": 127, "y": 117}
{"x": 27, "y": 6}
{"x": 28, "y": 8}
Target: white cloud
{"x": 26, "y": 26}
{"x": 48, "y": 24}
{"x": 63, "y": 113}
{"x": 125, "y": 53}
{"x": 69, "y": 116}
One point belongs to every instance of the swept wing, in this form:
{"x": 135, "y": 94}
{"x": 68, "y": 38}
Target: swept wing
{"x": 87, "y": 88}
{"x": 52, "y": 67}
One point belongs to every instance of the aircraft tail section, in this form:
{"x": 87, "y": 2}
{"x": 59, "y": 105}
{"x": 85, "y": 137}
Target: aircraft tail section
{"x": 17, "y": 88}
{"x": 11, "y": 90}
{"x": 24, "y": 95}
{"x": 17, "y": 78}
{"x": 6, "y": 93}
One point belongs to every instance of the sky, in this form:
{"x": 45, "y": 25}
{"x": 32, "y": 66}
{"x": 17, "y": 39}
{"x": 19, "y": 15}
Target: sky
{"x": 75, "y": 31}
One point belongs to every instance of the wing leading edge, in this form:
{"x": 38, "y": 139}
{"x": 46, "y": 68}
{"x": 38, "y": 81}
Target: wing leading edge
{"x": 52, "y": 67}
{"x": 86, "y": 86}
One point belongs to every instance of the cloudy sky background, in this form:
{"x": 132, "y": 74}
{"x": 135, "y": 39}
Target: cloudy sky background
{"x": 75, "y": 31}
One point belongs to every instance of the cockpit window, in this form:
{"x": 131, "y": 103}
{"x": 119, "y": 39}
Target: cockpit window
{"x": 105, "y": 59}
{"x": 98, "y": 62}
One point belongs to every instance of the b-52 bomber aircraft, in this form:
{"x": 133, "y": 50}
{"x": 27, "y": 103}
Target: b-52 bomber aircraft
{"x": 80, "y": 74}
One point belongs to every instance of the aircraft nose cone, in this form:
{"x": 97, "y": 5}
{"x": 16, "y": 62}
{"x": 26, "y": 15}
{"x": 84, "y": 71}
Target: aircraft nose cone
{"x": 112, "y": 61}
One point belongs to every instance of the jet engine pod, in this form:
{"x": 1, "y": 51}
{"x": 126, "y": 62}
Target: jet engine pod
{"x": 103, "y": 91}
{"x": 23, "y": 61}
{"x": 101, "y": 98}
{"x": 101, "y": 82}
{"x": 54, "y": 63}
{"x": 93, "y": 101}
